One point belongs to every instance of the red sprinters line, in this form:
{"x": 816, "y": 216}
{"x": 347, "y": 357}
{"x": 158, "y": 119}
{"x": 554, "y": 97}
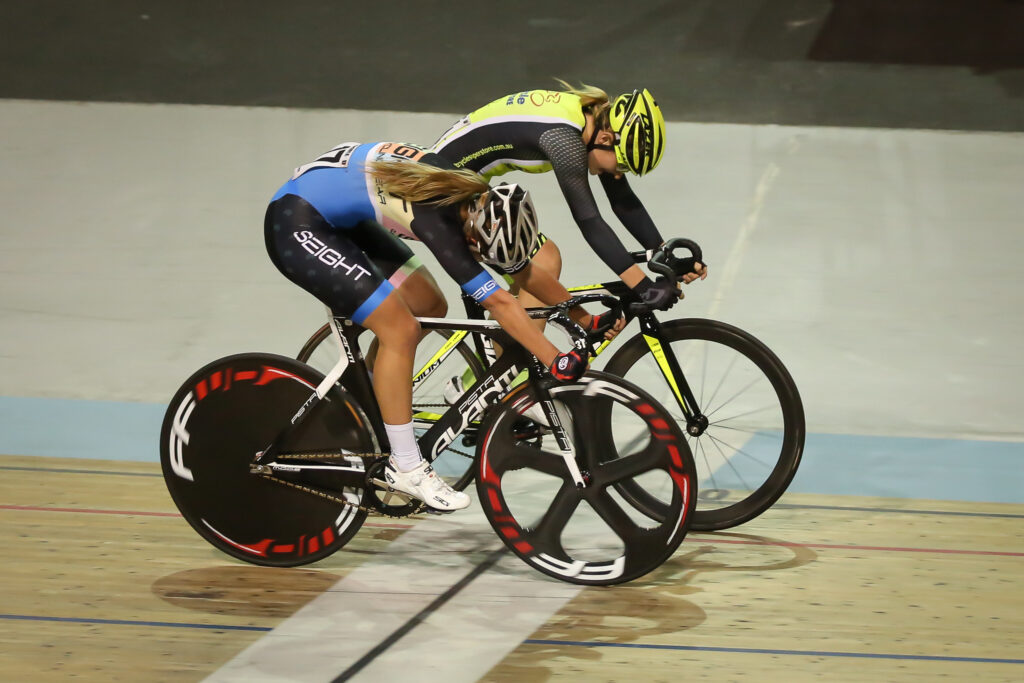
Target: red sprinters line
{"x": 691, "y": 537}
{"x": 837, "y": 546}
{"x": 88, "y": 511}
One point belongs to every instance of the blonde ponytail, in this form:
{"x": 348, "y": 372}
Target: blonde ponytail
{"x": 417, "y": 182}
{"x": 590, "y": 96}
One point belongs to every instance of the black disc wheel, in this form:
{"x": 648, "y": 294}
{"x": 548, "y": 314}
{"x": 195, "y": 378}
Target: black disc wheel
{"x": 591, "y": 535}
{"x": 748, "y": 437}
{"x": 439, "y": 359}
{"x": 232, "y": 409}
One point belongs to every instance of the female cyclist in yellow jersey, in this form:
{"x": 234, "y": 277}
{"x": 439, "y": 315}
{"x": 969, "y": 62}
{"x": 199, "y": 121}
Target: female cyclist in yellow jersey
{"x": 575, "y": 132}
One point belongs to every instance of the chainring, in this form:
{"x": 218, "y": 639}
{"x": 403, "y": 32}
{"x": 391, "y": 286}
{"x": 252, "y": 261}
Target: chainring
{"x": 385, "y": 499}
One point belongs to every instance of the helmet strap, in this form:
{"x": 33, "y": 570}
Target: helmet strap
{"x": 593, "y": 145}
{"x": 593, "y": 135}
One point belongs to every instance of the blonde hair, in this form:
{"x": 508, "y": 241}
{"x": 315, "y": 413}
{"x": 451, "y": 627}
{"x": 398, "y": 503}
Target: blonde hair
{"x": 417, "y": 182}
{"x": 594, "y": 101}
{"x": 589, "y": 95}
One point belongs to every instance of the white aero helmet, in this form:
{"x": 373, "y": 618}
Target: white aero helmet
{"x": 506, "y": 227}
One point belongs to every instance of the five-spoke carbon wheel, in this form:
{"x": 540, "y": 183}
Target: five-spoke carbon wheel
{"x": 592, "y": 534}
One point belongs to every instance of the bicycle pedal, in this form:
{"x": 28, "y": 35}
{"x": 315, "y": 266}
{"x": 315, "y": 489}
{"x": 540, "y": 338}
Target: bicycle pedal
{"x": 431, "y": 511}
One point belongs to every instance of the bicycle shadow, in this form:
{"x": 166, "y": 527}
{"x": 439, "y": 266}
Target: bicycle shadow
{"x": 659, "y": 604}
{"x": 244, "y": 590}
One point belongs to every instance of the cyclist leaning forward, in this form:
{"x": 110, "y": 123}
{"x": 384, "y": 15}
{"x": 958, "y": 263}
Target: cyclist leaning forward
{"x": 573, "y": 132}
{"x": 333, "y": 229}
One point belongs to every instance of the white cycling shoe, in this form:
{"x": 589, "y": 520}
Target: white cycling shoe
{"x": 423, "y": 483}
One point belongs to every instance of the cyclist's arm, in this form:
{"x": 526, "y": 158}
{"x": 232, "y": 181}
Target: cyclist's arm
{"x": 568, "y": 156}
{"x": 437, "y": 228}
{"x": 510, "y": 314}
{"x": 628, "y": 209}
{"x": 548, "y": 290}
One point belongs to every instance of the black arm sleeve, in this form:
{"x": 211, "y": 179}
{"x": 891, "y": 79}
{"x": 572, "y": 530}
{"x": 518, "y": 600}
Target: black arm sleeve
{"x": 568, "y": 156}
{"x": 630, "y": 211}
{"x": 438, "y": 228}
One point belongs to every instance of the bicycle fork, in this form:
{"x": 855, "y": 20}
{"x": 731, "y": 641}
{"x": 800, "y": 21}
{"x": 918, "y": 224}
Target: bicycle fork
{"x": 558, "y": 429}
{"x": 696, "y": 421}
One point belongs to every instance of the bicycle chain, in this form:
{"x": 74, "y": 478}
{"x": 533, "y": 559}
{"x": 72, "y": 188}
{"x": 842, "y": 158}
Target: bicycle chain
{"x": 331, "y": 455}
{"x": 317, "y": 492}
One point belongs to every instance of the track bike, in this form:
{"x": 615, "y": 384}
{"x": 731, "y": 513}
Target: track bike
{"x": 734, "y": 399}
{"x": 275, "y": 463}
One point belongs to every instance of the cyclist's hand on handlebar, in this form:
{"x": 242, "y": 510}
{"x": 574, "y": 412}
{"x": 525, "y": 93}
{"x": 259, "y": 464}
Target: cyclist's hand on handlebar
{"x": 687, "y": 269}
{"x": 663, "y": 261}
{"x": 661, "y": 294}
{"x": 568, "y": 367}
{"x": 601, "y": 320}
{"x": 698, "y": 271}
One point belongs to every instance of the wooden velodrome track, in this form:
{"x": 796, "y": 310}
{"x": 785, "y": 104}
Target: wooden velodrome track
{"x": 102, "y": 580}
{"x": 822, "y": 160}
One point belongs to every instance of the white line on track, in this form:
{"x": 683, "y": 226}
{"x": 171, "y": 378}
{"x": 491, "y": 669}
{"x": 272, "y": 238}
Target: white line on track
{"x": 459, "y": 642}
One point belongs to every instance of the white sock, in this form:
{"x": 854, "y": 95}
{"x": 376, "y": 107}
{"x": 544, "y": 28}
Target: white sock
{"x": 405, "y": 453}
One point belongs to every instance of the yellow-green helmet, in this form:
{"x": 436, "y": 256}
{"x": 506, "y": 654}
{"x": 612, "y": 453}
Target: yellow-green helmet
{"x": 639, "y": 126}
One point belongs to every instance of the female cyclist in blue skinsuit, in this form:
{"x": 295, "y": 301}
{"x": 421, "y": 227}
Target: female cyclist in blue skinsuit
{"x": 332, "y": 228}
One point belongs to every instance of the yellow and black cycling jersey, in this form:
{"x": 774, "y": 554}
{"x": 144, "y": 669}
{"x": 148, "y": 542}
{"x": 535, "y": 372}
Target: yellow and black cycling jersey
{"x": 542, "y": 130}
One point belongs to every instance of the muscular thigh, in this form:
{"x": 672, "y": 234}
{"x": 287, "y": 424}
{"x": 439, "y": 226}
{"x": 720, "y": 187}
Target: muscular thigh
{"x": 391, "y": 255}
{"x": 325, "y": 261}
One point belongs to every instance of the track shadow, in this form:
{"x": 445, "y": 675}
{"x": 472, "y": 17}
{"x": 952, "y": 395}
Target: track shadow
{"x": 248, "y": 590}
{"x": 268, "y": 592}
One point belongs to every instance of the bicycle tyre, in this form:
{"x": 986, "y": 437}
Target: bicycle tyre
{"x": 769, "y": 474}
{"x": 586, "y": 535}
{"x": 220, "y": 418}
{"x": 454, "y": 464}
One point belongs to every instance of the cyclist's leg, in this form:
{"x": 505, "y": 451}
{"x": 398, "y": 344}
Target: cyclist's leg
{"x": 402, "y": 268}
{"x": 404, "y": 271}
{"x": 422, "y": 296}
{"x": 547, "y": 257}
{"x": 397, "y": 333}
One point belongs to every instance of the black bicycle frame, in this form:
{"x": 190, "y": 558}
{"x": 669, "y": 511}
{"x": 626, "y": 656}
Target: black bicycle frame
{"x": 489, "y": 389}
{"x": 650, "y": 328}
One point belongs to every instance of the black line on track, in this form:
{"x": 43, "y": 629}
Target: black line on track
{"x": 421, "y": 617}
